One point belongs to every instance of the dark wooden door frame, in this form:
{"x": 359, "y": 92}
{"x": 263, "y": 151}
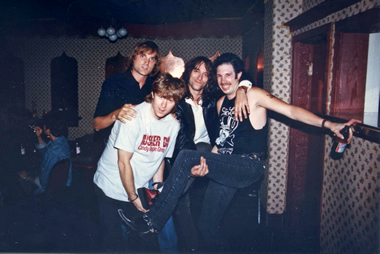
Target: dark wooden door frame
{"x": 306, "y": 144}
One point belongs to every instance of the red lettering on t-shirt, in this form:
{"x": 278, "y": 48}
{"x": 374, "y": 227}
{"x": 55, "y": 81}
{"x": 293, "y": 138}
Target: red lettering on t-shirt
{"x": 151, "y": 143}
{"x": 166, "y": 142}
{"x": 144, "y": 141}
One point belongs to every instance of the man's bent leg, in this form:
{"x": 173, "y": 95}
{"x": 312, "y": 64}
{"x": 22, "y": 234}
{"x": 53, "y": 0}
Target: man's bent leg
{"x": 229, "y": 170}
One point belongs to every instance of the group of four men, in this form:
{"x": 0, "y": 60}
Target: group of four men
{"x": 225, "y": 140}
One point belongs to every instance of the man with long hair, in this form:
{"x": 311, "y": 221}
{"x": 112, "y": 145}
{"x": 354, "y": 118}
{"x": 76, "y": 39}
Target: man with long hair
{"x": 198, "y": 119}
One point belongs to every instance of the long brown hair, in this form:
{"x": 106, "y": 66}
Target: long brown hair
{"x": 211, "y": 89}
{"x": 141, "y": 48}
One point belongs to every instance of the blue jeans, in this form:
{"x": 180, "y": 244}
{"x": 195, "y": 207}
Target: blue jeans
{"x": 231, "y": 171}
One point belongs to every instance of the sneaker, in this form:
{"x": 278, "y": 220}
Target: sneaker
{"x": 141, "y": 225}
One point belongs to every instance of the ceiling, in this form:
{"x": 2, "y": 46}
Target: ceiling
{"x": 86, "y": 14}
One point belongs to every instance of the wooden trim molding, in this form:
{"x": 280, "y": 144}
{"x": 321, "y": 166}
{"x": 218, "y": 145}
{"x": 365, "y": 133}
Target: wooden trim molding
{"x": 318, "y": 12}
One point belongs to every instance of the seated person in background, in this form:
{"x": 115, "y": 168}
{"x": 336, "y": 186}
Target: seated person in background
{"x": 55, "y": 150}
{"x": 134, "y": 155}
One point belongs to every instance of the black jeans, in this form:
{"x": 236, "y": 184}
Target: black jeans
{"x": 232, "y": 171}
{"x": 183, "y": 216}
{"x": 115, "y": 240}
{"x": 110, "y": 222}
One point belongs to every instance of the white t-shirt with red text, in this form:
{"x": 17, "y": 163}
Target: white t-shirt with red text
{"x": 149, "y": 139}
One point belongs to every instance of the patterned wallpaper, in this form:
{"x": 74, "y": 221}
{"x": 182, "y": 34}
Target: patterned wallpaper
{"x": 277, "y": 80}
{"x": 351, "y": 186}
{"x": 351, "y": 200}
{"x": 308, "y": 4}
{"x": 91, "y": 54}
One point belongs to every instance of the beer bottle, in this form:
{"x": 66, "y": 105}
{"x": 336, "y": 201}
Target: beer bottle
{"x": 339, "y": 144}
{"x": 22, "y": 149}
{"x": 77, "y": 148}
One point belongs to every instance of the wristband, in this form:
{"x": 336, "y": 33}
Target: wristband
{"x": 323, "y": 123}
{"x": 153, "y": 184}
{"x": 245, "y": 88}
{"x": 131, "y": 200}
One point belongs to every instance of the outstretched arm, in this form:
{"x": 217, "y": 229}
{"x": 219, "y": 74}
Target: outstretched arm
{"x": 260, "y": 98}
{"x": 126, "y": 174}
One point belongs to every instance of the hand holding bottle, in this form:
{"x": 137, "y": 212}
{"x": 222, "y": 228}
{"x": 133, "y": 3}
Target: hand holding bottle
{"x": 336, "y": 128}
{"x": 343, "y": 135}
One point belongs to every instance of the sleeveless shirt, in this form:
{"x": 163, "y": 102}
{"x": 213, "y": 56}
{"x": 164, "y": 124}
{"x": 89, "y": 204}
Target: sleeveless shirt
{"x": 239, "y": 137}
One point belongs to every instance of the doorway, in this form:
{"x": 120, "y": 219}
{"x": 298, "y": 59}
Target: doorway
{"x": 306, "y": 151}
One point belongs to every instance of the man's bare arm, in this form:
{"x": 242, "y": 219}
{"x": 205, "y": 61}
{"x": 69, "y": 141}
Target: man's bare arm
{"x": 127, "y": 179}
{"x": 261, "y": 98}
{"x": 124, "y": 113}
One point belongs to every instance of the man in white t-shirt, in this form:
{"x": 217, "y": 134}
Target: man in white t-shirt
{"x": 135, "y": 154}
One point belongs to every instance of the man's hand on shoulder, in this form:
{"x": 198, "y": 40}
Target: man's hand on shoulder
{"x": 241, "y": 104}
{"x": 125, "y": 113}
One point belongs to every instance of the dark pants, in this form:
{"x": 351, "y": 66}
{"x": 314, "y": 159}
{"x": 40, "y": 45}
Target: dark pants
{"x": 116, "y": 237}
{"x": 215, "y": 203}
{"x": 182, "y": 214}
{"x": 232, "y": 171}
{"x": 110, "y": 222}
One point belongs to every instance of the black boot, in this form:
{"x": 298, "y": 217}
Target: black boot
{"x": 142, "y": 225}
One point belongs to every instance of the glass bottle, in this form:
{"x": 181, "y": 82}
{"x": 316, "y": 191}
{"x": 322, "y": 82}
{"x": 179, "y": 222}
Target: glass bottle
{"x": 77, "y": 148}
{"x": 339, "y": 145}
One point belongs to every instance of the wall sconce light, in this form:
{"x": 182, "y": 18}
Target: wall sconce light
{"x": 111, "y": 33}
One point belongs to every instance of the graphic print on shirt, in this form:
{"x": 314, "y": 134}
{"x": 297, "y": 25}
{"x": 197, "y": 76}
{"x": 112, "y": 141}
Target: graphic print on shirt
{"x": 154, "y": 143}
{"x": 228, "y": 125}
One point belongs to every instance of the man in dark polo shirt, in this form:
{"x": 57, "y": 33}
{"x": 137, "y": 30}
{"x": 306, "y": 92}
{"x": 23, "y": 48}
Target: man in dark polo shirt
{"x": 121, "y": 91}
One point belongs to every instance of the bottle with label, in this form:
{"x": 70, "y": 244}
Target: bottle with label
{"x": 22, "y": 149}
{"x": 339, "y": 145}
{"x": 77, "y": 148}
